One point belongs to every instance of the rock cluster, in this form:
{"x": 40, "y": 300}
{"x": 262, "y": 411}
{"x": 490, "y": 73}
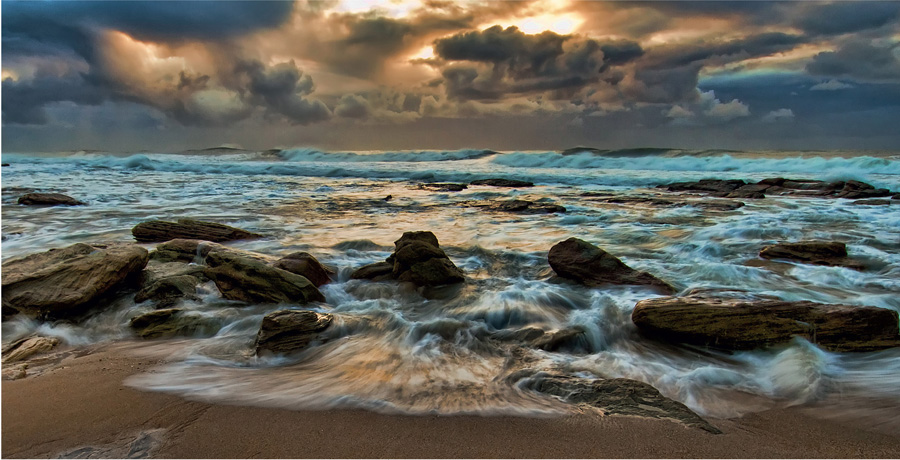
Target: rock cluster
{"x": 738, "y": 324}
{"x": 159, "y": 230}
{"x": 417, "y": 258}
{"x": 589, "y": 265}
{"x": 736, "y": 188}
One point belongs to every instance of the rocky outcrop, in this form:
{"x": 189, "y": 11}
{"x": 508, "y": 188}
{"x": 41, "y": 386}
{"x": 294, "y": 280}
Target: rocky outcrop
{"x": 737, "y": 324}
{"x": 24, "y": 348}
{"x": 444, "y": 187}
{"x": 494, "y": 182}
{"x": 62, "y": 282}
{"x": 167, "y": 291}
{"x": 656, "y": 202}
{"x": 158, "y": 230}
{"x": 737, "y": 188}
{"x": 249, "y": 280}
{"x": 170, "y": 322}
{"x": 832, "y": 253}
{"x": 516, "y": 206}
{"x": 49, "y": 199}
{"x": 284, "y": 331}
{"x": 618, "y": 397}
{"x": 589, "y": 265}
{"x": 417, "y": 258}
{"x": 304, "y": 264}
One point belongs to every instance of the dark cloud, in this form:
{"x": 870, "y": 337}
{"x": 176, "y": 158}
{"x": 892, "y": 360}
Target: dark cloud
{"x": 352, "y": 106}
{"x": 24, "y": 102}
{"x": 858, "y": 59}
{"x": 845, "y": 17}
{"x": 281, "y": 89}
{"x": 513, "y": 62}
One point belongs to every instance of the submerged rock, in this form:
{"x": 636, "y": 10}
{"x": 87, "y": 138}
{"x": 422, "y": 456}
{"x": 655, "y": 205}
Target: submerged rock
{"x": 249, "y": 280}
{"x": 832, "y": 253}
{"x": 589, "y": 265}
{"x": 738, "y": 324}
{"x": 49, "y": 199}
{"x": 170, "y": 322}
{"x": 656, "y": 202}
{"x": 516, "y": 206}
{"x": 494, "y": 182}
{"x": 65, "y": 281}
{"x": 713, "y": 186}
{"x": 158, "y": 230}
{"x": 444, "y": 187}
{"x": 618, "y": 397}
{"x": 304, "y": 264}
{"x": 417, "y": 258}
{"x": 24, "y": 348}
{"x": 284, "y": 331}
{"x": 874, "y": 202}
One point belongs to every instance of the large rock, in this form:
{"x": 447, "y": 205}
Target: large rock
{"x": 832, "y": 253}
{"x": 502, "y": 183}
{"x": 738, "y": 324}
{"x": 49, "y": 199}
{"x": 618, "y": 397}
{"x": 65, "y": 281}
{"x": 171, "y": 322}
{"x": 159, "y": 230}
{"x": 587, "y": 264}
{"x": 249, "y": 280}
{"x": 417, "y": 258}
{"x": 304, "y": 264}
{"x": 24, "y": 348}
{"x": 284, "y": 331}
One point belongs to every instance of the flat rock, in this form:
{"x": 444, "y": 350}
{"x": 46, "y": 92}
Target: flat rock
{"x": 873, "y": 202}
{"x": 444, "y": 187}
{"x": 304, "y": 264}
{"x": 65, "y": 281}
{"x": 249, "y": 280}
{"x": 739, "y": 324}
{"x": 284, "y": 331}
{"x": 618, "y": 397}
{"x": 832, "y": 253}
{"x": 516, "y": 206}
{"x": 159, "y": 230}
{"x": 589, "y": 265}
{"x": 494, "y": 182}
{"x": 49, "y": 199}
{"x": 720, "y": 186}
{"x": 24, "y": 348}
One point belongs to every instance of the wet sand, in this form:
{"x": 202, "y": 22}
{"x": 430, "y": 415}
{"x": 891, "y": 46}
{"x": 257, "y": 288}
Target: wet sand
{"x": 81, "y": 408}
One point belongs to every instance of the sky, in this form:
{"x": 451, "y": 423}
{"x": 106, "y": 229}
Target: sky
{"x": 435, "y": 74}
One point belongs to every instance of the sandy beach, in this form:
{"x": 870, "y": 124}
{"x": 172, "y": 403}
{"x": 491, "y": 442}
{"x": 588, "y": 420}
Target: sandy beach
{"x": 80, "y": 407}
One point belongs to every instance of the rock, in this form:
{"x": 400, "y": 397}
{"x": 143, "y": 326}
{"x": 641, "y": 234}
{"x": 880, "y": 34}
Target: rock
{"x": 526, "y": 334}
{"x": 22, "y": 349}
{"x": 158, "y": 230}
{"x": 568, "y": 339}
{"x": 895, "y": 196}
{"x": 4, "y": 164}
{"x": 170, "y": 322}
{"x": 717, "y": 205}
{"x": 516, "y": 206}
{"x": 872, "y": 202}
{"x": 65, "y": 281}
{"x": 285, "y": 331}
{"x": 589, "y": 265}
{"x": 738, "y": 324}
{"x": 379, "y": 271}
{"x": 857, "y": 194}
{"x": 249, "y": 280}
{"x": 187, "y": 250}
{"x": 15, "y": 372}
{"x": 618, "y": 397}
{"x": 444, "y": 187}
{"x": 720, "y": 186}
{"x": 417, "y": 258}
{"x": 652, "y": 201}
{"x": 502, "y": 183}
{"x": 304, "y": 264}
{"x": 388, "y": 198}
{"x": 49, "y": 199}
{"x": 832, "y": 253}
{"x": 167, "y": 291}
{"x": 749, "y": 191}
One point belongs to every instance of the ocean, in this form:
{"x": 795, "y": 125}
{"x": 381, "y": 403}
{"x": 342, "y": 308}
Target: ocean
{"x": 418, "y": 353}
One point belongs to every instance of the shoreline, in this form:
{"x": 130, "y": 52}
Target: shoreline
{"x": 81, "y": 407}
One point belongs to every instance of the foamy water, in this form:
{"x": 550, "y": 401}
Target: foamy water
{"x": 399, "y": 351}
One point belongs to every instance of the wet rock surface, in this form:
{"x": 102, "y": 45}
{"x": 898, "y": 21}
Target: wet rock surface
{"x": 167, "y": 291}
{"x": 736, "y": 188}
{"x": 170, "y": 322}
{"x": 444, "y": 187}
{"x": 618, "y": 397}
{"x": 249, "y": 280}
{"x": 49, "y": 199}
{"x": 284, "y": 331}
{"x": 306, "y": 265}
{"x": 63, "y": 282}
{"x": 831, "y": 253}
{"x": 586, "y": 264}
{"x": 738, "y": 324}
{"x": 494, "y": 182}
{"x": 417, "y": 258}
{"x": 516, "y": 206}
{"x": 159, "y": 230}
{"x": 657, "y": 202}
